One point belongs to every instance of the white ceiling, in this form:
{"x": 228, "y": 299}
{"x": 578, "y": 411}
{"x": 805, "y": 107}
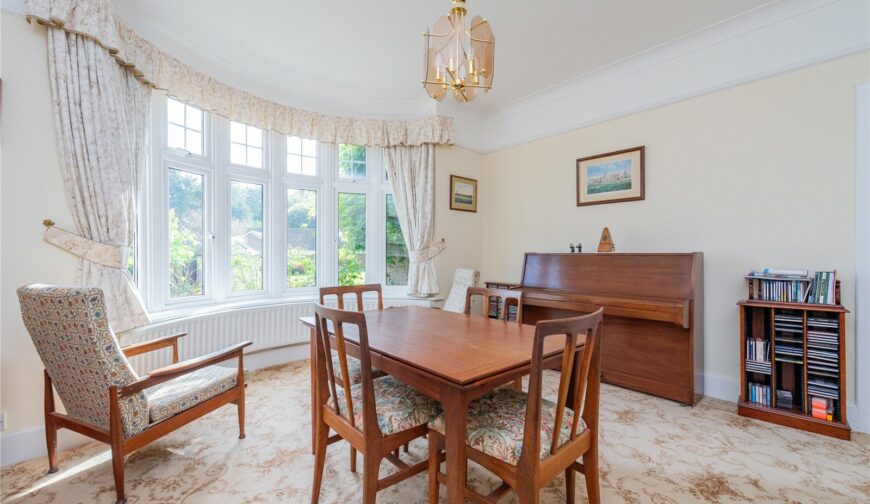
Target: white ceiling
{"x": 370, "y": 52}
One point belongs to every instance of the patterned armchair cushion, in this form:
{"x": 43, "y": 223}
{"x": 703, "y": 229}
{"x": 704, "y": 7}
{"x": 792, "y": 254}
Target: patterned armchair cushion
{"x": 399, "y": 407}
{"x": 69, "y": 328}
{"x": 178, "y": 394}
{"x": 353, "y": 369}
{"x": 496, "y": 423}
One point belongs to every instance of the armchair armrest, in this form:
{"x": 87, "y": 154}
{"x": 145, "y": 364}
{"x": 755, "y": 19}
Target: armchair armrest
{"x": 155, "y": 344}
{"x": 166, "y": 373}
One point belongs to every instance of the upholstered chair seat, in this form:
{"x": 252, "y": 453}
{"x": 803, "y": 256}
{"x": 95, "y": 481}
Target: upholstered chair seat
{"x": 353, "y": 370}
{"x": 179, "y": 394}
{"x": 104, "y": 397}
{"x": 496, "y": 420}
{"x": 398, "y": 406}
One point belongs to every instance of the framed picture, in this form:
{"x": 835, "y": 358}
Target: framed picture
{"x": 610, "y": 178}
{"x": 463, "y": 194}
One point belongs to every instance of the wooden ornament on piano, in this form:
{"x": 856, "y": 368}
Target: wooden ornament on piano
{"x": 606, "y": 243}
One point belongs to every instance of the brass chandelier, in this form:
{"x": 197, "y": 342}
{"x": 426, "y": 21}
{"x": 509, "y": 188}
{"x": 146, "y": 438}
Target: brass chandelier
{"x": 459, "y": 56}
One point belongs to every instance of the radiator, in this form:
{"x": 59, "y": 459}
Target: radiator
{"x": 269, "y": 326}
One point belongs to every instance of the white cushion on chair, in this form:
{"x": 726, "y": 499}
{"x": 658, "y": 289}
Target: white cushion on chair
{"x": 178, "y": 394}
{"x": 462, "y": 280}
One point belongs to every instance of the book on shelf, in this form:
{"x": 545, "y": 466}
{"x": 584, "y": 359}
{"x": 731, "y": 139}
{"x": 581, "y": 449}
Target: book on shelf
{"x": 758, "y": 350}
{"x": 784, "y": 399}
{"x": 759, "y": 393}
{"x": 823, "y": 408}
{"x": 793, "y": 286}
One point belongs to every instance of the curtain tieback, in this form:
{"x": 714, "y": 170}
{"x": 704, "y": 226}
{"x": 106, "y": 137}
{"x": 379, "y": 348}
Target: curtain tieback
{"x": 428, "y": 253}
{"x": 113, "y": 256}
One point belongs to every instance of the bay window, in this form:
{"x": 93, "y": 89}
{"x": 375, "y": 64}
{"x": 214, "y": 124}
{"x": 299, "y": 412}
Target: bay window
{"x": 237, "y": 213}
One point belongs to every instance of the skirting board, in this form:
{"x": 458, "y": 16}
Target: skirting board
{"x": 30, "y": 443}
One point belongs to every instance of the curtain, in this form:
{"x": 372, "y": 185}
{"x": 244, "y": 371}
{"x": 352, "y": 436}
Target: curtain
{"x": 100, "y": 114}
{"x": 96, "y": 20}
{"x": 412, "y": 175}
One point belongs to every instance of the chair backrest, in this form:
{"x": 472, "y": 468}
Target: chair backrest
{"x": 357, "y": 290}
{"x": 324, "y": 318}
{"x": 502, "y": 304}
{"x": 462, "y": 280}
{"x": 577, "y": 368}
{"x": 69, "y": 328}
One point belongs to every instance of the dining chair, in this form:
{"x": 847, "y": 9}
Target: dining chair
{"x": 376, "y": 416}
{"x": 463, "y": 278}
{"x": 353, "y": 370}
{"x": 503, "y": 304}
{"x": 526, "y": 440}
{"x": 104, "y": 397}
{"x": 353, "y": 365}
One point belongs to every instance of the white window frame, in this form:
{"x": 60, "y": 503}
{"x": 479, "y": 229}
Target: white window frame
{"x": 152, "y": 259}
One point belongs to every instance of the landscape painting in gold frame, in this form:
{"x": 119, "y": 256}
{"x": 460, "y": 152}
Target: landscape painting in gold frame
{"x": 463, "y": 194}
{"x": 611, "y": 178}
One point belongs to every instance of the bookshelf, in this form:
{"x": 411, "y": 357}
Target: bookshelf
{"x": 791, "y": 353}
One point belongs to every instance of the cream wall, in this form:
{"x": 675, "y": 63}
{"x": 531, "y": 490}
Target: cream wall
{"x": 461, "y": 230}
{"x": 757, "y": 175}
{"x": 31, "y": 189}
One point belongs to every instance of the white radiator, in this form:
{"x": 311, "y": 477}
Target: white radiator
{"x": 269, "y": 326}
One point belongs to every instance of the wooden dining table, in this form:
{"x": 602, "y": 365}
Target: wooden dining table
{"x": 450, "y": 357}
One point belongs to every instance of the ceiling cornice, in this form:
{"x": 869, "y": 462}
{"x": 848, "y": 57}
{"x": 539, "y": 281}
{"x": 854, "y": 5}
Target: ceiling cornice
{"x": 773, "y": 39}
{"x": 776, "y": 38}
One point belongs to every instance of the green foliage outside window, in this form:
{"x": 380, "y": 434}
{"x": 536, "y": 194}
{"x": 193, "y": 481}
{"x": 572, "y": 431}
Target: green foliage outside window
{"x": 185, "y": 234}
{"x": 301, "y": 238}
{"x": 351, "y": 238}
{"x": 397, "y": 253}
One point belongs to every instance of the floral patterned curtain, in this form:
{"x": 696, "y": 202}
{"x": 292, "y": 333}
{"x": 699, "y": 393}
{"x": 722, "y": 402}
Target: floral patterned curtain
{"x": 412, "y": 175}
{"x": 100, "y": 115}
{"x": 95, "y": 19}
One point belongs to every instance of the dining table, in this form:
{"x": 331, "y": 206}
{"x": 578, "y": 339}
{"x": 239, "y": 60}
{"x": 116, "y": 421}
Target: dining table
{"x": 451, "y": 357}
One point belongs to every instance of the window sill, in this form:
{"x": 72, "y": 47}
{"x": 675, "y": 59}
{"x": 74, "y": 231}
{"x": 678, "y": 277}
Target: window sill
{"x": 174, "y": 314}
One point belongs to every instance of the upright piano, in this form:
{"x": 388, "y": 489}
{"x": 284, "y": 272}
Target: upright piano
{"x": 653, "y": 337}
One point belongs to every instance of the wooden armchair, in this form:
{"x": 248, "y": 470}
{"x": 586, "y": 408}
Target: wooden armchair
{"x": 527, "y": 440}
{"x": 104, "y": 397}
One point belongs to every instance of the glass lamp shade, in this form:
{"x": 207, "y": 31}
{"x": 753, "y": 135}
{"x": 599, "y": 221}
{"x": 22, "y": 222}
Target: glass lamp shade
{"x": 459, "y": 57}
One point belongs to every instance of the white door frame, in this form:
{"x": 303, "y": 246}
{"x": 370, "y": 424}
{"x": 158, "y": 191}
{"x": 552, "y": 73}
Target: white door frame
{"x": 862, "y": 258}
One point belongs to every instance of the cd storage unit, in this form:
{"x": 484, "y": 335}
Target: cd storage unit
{"x": 793, "y": 365}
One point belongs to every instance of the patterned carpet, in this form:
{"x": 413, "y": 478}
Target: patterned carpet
{"x": 652, "y": 450}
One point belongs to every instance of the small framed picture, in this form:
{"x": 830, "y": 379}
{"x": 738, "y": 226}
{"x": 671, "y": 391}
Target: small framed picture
{"x": 463, "y": 194}
{"x": 611, "y": 178}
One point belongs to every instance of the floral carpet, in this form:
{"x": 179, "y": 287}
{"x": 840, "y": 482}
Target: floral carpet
{"x": 652, "y": 450}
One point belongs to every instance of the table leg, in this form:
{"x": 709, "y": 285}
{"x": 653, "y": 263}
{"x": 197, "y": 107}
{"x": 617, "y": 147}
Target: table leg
{"x": 315, "y": 408}
{"x": 455, "y": 410}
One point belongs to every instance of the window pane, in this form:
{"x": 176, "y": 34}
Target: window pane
{"x": 309, "y": 147}
{"x": 193, "y": 119}
{"x": 397, "y": 252}
{"x": 351, "y": 161}
{"x": 246, "y": 236}
{"x": 294, "y": 145}
{"x": 294, "y": 163}
{"x": 237, "y": 154}
{"x": 255, "y": 157}
{"x": 309, "y": 166}
{"x": 351, "y": 238}
{"x": 237, "y": 132}
{"x": 194, "y": 142}
{"x": 186, "y": 236}
{"x": 301, "y": 238}
{"x": 175, "y": 137}
{"x": 175, "y": 111}
{"x": 255, "y": 137}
